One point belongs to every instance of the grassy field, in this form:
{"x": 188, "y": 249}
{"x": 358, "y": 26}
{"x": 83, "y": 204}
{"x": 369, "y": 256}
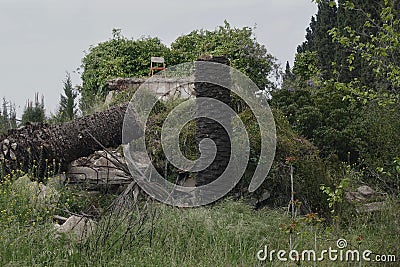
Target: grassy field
{"x": 229, "y": 233}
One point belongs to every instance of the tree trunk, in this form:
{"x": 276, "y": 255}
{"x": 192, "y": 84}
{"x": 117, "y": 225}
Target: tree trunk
{"x": 43, "y": 148}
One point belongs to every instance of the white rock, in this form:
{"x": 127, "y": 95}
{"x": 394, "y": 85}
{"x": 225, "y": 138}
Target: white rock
{"x": 355, "y": 196}
{"x": 371, "y": 207}
{"x": 14, "y": 146}
{"x": 77, "y": 226}
{"x": 265, "y": 195}
{"x": 101, "y": 162}
{"x": 366, "y": 191}
{"x": 109, "y": 98}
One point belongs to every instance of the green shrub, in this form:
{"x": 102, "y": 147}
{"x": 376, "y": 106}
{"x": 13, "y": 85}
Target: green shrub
{"x": 25, "y": 202}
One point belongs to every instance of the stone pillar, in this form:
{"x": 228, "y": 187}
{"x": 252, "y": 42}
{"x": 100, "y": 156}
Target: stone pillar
{"x": 208, "y": 128}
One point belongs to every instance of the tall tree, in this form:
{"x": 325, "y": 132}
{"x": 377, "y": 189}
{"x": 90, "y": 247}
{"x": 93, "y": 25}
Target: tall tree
{"x": 288, "y": 77}
{"x": 34, "y": 111}
{"x": 7, "y": 116}
{"x": 308, "y": 44}
{"x": 351, "y": 114}
{"x": 67, "y": 110}
{"x": 318, "y": 39}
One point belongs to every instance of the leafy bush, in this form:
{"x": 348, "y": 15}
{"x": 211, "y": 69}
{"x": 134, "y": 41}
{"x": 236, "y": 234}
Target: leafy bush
{"x": 122, "y": 57}
{"x": 238, "y": 45}
{"x": 365, "y": 135}
{"x": 117, "y": 57}
{"x": 311, "y": 170}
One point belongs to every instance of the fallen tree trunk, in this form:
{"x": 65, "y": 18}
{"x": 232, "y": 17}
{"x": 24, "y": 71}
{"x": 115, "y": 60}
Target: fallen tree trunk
{"x": 40, "y": 148}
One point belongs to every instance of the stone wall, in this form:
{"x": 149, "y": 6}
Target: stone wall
{"x": 163, "y": 87}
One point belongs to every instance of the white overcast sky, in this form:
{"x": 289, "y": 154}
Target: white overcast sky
{"x": 42, "y": 39}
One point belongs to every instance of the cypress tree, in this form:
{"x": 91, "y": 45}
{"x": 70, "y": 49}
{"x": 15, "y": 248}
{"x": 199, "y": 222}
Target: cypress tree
{"x": 8, "y": 116}
{"x": 318, "y": 39}
{"x": 34, "y": 112}
{"x": 308, "y": 44}
{"x": 288, "y": 77}
{"x": 67, "y": 110}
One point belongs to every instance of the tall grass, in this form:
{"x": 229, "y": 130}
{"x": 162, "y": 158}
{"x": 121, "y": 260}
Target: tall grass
{"x": 229, "y": 233}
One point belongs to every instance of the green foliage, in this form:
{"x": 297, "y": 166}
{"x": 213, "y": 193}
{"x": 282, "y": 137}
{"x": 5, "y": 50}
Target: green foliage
{"x": 67, "y": 109}
{"x": 7, "y": 117}
{"x": 306, "y": 69}
{"x": 348, "y": 109}
{"x": 322, "y": 117}
{"x": 381, "y": 134}
{"x": 117, "y": 57}
{"x": 335, "y": 196}
{"x": 375, "y": 41}
{"x": 357, "y": 47}
{"x": 239, "y": 45}
{"x": 366, "y": 135}
{"x": 288, "y": 77}
{"x": 22, "y": 201}
{"x": 319, "y": 41}
{"x": 153, "y": 136}
{"x": 34, "y": 112}
{"x": 122, "y": 57}
{"x": 310, "y": 169}
{"x": 390, "y": 174}
{"x": 229, "y": 233}
{"x": 124, "y": 96}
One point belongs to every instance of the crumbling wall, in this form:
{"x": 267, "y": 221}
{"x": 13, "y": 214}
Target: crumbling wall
{"x": 163, "y": 87}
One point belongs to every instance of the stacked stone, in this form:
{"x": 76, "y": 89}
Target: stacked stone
{"x": 206, "y": 127}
